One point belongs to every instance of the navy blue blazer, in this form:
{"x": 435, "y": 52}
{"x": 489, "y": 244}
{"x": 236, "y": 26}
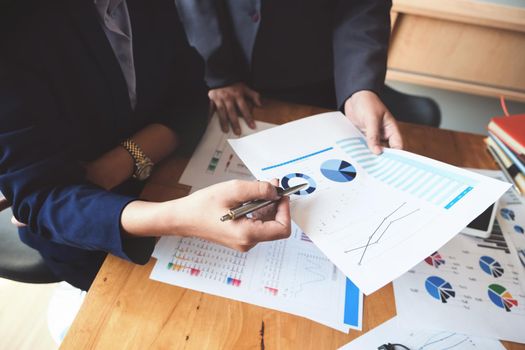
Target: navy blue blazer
{"x": 282, "y": 44}
{"x": 64, "y": 100}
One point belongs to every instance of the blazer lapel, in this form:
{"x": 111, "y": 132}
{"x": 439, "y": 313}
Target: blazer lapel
{"x": 85, "y": 18}
{"x": 145, "y": 49}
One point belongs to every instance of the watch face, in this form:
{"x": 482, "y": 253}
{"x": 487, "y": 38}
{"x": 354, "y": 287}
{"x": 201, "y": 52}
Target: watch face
{"x": 144, "y": 171}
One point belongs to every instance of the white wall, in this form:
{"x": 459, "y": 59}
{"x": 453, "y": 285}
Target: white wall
{"x": 459, "y": 111}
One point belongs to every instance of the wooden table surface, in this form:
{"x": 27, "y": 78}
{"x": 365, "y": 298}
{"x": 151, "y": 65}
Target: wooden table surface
{"x": 126, "y": 310}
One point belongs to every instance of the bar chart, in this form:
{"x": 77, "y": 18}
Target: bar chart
{"x": 436, "y": 186}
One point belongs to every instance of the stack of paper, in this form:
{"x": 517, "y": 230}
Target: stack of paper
{"x": 470, "y": 285}
{"x": 289, "y": 275}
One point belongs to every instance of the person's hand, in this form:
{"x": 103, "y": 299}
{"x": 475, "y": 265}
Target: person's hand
{"x": 366, "y": 110}
{"x": 233, "y": 102}
{"x": 198, "y": 214}
{"x": 4, "y": 204}
{"x": 17, "y": 223}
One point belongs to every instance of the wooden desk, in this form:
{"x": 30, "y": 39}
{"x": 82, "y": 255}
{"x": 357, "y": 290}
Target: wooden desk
{"x": 471, "y": 46}
{"x": 126, "y": 310}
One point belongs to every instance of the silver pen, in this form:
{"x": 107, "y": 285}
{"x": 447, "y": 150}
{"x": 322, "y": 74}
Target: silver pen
{"x": 252, "y": 206}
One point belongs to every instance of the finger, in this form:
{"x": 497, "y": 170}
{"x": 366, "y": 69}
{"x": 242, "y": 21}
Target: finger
{"x": 282, "y": 215}
{"x": 254, "y": 96}
{"x": 211, "y": 110}
{"x": 269, "y": 212}
{"x": 223, "y": 116}
{"x": 266, "y": 213}
{"x": 233, "y": 117}
{"x": 239, "y": 191}
{"x": 246, "y": 112}
{"x": 373, "y": 134}
{"x": 279, "y": 228}
{"x": 395, "y": 139}
{"x": 17, "y": 223}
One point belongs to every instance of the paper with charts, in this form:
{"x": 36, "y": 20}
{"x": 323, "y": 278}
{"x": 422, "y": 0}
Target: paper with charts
{"x": 289, "y": 275}
{"x": 470, "y": 285}
{"x": 395, "y": 331}
{"x": 375, "y": 217}
{"x": 511, "y": 216}
{"x": 214, "y": 160}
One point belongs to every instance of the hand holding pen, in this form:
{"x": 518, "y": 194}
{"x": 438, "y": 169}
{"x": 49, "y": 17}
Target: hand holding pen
{"x": 203, "y": 209}
{"x": 251, "y": 206}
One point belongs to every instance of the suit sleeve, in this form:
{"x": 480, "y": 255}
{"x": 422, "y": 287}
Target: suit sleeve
{"x": 41, "y": 177}
{"x": 209, "y": 30}
{"x": 360, "y": 44}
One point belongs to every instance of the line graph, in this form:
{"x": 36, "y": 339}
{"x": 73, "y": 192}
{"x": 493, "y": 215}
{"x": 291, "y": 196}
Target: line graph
{"x": 310, "y": 269}
{"x": 449, "y": 340}
{"x": 378, "y": 228}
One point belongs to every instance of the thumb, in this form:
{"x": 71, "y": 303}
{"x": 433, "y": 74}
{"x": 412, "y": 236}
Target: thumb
{"x": 254, "y": 96}
{"x": 373, "y": 134}
{"x": 395, "y": 139}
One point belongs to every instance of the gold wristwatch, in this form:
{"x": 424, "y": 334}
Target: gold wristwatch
{"x": 143, "y": 164}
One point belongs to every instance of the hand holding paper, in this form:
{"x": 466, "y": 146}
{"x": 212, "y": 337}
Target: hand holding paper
{"x": 374, "y": 216}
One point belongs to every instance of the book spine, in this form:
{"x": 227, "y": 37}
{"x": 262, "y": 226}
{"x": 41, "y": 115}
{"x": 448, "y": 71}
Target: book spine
{"x": 508, "y": 152}
{"x": 505, "y": 170}
{"x": 509, "y": 141}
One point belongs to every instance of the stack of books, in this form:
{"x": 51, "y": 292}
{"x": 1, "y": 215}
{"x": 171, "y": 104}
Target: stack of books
{"x": 506, "y": 143}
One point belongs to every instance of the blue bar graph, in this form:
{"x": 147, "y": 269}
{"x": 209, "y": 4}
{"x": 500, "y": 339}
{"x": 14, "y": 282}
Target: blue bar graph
{"x": 432, "y": 184}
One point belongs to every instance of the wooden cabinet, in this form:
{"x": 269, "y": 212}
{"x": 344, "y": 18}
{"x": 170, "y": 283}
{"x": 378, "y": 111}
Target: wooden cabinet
{"x": 470, "y": 46}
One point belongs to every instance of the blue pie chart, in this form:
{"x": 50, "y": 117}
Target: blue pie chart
{"x": 338, "y": 170}
{"x": 439, "y": 289}
{"x": 285, "y": 183}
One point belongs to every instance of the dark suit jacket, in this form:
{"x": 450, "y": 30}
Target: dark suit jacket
{"x": 291, "y": 43}
{"x": 63, "y": 100}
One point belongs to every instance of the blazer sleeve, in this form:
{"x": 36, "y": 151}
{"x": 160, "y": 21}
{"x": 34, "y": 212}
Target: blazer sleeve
{"x": 209, "y": 30}
{"x": 44, "y": 182}
{"x": 360, "y": 45}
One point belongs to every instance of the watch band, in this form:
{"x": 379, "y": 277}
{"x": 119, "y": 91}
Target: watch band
{"x": 142, "y": 161}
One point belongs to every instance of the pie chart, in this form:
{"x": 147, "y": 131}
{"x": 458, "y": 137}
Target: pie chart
{"x": 439, "y": 289}
{"x": 501, "y": 297}
{"x": 301, "y": 178}
{"x": 435, "y": 260}
{"x": 507, "y": 214}
{"x": 338, "y": 170}
{"x": 491, "y": 266}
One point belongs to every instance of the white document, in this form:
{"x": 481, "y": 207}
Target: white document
{"x": 214, "y": 161}
{"x": 471, "y": 285}
{"x": 511, "y": 214}
{"x": 289, "y": 275}
{"x": 394, "y": 331}
{"x": 375, "y": 217}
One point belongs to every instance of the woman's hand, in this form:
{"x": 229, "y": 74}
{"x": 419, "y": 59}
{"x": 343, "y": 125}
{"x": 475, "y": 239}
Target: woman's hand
{"x": 199, "y": 215}
{"x": 204, "y": 208}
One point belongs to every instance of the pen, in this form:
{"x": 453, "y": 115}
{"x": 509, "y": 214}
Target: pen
{"x": 252, "y": 206}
